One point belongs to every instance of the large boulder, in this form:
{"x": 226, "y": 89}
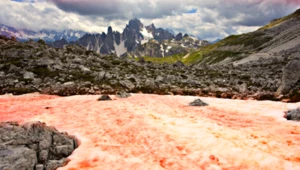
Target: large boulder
{"x": 33, "y": 146}
{"x": 291, "y": 75}
{"x": 128, "y": 84}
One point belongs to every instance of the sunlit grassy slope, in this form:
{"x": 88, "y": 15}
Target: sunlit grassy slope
{"x": 169, "y": 59}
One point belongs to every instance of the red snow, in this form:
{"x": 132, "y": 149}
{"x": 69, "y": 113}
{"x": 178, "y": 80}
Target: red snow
{"x": 163, "y": 132}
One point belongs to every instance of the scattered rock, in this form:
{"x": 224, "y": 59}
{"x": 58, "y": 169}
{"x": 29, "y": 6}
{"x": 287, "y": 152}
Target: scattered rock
{"x": 198, "y": 102}
{"x": 33, "y": 146}
{"x": 123, "y": 94}
{"x": 28, "y": 75}
{"x": 128, "y": 84}
{"x": 293, "y": 114}
{"x": 178, "y": 64}
{"x": 104, "y": 97}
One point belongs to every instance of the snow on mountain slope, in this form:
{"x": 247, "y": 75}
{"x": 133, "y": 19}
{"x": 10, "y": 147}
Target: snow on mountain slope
{"x": 146, "y": 34}
{"x": 47, "y": 35}
{"x": 120, "y": 49}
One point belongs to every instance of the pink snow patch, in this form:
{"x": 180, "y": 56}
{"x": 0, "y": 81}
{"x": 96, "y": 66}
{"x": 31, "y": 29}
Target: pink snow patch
{"x": 163, "y": 132}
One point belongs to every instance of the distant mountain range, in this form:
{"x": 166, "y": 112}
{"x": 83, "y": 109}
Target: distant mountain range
{"x": 136, "y": 40}
{"x": 47, "y": 35}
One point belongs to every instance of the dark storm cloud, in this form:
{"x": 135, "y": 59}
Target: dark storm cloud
{"x": 115, "y": 9}
{"x": 233, "y": 12}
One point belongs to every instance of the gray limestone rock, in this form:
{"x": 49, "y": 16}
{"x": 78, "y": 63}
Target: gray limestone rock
{"x": 291, "y": 75}
{"x": 33, "y": 145}
{"x": 128, "y": 84}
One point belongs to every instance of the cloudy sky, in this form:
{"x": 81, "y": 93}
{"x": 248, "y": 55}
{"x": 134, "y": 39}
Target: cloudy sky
{"x": 206, "y": 19}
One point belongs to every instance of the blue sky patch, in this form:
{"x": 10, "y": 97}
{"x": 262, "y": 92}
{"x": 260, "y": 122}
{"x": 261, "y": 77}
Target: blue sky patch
{"x": 23, "y": 0}
{"x": 192, "y": 11}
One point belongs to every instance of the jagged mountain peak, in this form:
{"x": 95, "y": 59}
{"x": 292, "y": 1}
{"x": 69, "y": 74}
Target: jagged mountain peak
{"x": 135, "y": 24}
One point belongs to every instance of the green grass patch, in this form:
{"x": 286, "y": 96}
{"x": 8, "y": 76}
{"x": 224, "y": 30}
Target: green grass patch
{"x": 170, "y": 59}
{"x": 199, "y": 54}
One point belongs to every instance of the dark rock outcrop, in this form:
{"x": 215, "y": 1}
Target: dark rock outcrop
{"x": 198, "y": 102}
{"x": 59, "y": 43}
{"x": 104, "y": 98}
{"x": 179, "y": 37}
{"x": 33, "y": 146}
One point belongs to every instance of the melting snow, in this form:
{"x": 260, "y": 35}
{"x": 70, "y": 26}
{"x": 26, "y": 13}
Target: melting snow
{"x": 162, "y": 50}
{"x": 163, "y": 132}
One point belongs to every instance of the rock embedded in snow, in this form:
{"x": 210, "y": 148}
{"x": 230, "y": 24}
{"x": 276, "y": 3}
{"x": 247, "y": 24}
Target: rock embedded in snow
{"x": 104, "y": 97}
{"x": 293, "y": 114}
{"x": 198, "y": 102}
{"x": 33, "y": 146}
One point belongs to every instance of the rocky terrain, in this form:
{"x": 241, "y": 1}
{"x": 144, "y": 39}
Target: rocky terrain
{"x": 33, "y": 146}
{"x": 35, "y": 67}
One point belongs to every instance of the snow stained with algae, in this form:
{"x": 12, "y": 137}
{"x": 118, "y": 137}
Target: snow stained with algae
{"x": 164, "y": 132}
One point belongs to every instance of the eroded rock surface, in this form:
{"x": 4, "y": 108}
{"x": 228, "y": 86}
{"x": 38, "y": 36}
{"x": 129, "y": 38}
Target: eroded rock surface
{"x": 33, "y": 146}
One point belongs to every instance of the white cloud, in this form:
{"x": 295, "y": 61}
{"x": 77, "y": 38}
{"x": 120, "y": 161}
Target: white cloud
{"x": 212, "y": 20}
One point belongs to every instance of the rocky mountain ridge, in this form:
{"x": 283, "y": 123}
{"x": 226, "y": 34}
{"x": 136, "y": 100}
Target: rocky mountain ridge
{"x": 138, "y": 40}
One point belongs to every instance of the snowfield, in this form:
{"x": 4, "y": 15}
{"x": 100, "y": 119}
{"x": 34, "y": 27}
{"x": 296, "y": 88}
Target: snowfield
{"x": 164, "y": 132}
